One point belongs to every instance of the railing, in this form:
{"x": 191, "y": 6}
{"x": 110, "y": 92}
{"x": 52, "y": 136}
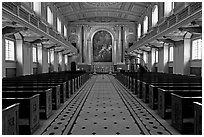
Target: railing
{"x": 171, "y": 20}
{"x": 16, "y": 9}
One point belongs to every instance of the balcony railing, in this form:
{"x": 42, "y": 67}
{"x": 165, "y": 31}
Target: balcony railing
{"x": 16, "y": 9}
{"x": 170, "y": 21}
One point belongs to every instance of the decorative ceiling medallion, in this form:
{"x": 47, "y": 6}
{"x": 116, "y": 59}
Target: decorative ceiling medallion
{"x": 102, "y": 4}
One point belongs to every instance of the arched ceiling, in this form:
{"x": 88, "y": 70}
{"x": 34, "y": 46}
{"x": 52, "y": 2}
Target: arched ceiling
{"x": 102, "y": 11}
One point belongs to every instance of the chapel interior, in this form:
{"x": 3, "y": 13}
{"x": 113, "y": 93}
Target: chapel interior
{"x": 101, "y": 68}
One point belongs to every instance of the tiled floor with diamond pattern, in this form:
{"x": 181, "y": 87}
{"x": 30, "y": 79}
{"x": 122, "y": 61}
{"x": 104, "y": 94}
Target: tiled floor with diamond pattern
{"x": 104, "y": 107}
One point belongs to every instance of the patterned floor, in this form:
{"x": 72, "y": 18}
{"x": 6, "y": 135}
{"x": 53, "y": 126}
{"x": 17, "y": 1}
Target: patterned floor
{"x": 104, "y": 107}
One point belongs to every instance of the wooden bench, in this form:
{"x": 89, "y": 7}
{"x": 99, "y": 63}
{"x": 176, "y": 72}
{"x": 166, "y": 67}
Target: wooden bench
{"x": 10, "y": 119}
{"x": 164, "y": 99}
{"x": 153, "y": 92}
{"x": 63, "y": 86}
{"x": 28, "y": 111}
{"x": 145, "y": 87}
{"x": 183, "y": 110}
{"x": 55, "y": 92}
{"x": 197, "y": 118}
{"x": 45, "y": 99}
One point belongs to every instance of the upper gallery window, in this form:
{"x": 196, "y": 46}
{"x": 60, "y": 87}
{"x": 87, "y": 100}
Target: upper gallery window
{"x": 197, "y": 49}
{"x": 9, "y": 50}
{"x": 168, "y": 7}
{"x": 139, "y": 31}
{"x": 154, "y": 15}
{"x": 65, "y": 31}
{"x": 49, "y": 16}
{"x": 37, "y": 7}
{"x": 59, "y": 29}
{"x": 145, "y": 25}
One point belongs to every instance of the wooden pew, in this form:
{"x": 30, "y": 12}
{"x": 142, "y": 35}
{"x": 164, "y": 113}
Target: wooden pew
{"x": 145, "y": 87}
{"x": 183, "y": 110}
{"x": 45, "y": 99}
{"x": 164, "y": 99}
{"x": 10, "y": 119}
{"x": 63, "y": 86}
{"x": 55, "y": 92}
{"x": 153, "y": 92}
{"x": 197, "y": 118}
{"x": 28, "y": 112}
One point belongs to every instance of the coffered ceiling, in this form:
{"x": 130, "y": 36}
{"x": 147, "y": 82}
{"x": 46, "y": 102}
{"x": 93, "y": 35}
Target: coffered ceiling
{"x": 102, "y": 11}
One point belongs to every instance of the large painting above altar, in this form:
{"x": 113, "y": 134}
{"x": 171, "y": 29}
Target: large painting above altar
{"x": 102, "y": 47}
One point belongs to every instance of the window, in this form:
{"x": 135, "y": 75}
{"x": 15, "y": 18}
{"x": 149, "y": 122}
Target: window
{"x": 65, "y": 59}
{"x": 139, "y": 31}
{"x": 59, "y": 25}
{"x": 48, "y": 57}
{"x": 154, "y": 15}
{"x": 9, "y": 50}
{"x": 145, "y": 57}
{"x": 145, "y": 25}
{"x": 52, "y": 56}
{"x": 49, "y": 16}
{"x": 37, "y": 7}
{"x": 197, "y": 49}
{"x": 34, "y": 54}
{"x": 65, "y": 31}
{"x": 171, "y": 53}
{"x": 168, "y": 7}
{"x": 156, "y": 56}
{"x": 138, "y": 59}
{"x": 60, "y": 57}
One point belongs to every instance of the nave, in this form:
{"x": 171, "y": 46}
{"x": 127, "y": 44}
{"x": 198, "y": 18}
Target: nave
{"x": 105, "y": 107}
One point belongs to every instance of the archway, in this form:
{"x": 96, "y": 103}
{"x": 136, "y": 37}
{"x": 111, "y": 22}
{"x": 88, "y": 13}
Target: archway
{"x": 102, "y": 46}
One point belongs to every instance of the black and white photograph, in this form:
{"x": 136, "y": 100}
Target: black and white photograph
{"x": 101, "y": 68}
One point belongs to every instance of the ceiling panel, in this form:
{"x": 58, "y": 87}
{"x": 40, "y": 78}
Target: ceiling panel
{"x": 76, "y": 11}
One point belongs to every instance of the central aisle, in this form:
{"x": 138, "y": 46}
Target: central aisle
{"x": 102, "y": 106}
{"x": 104, "y": 112}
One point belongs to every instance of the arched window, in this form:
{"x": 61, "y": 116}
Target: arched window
{"x": 49, "y": 16}
{"x": 59, "y": 29}
{"x": 65, "y": 31}
{"x": 145, "y": 25}
{"x": 139, "y": 30}
{"x": 37, "y": 7}
{"x": 154, "y": 15}
{"x": 168, "y": 7}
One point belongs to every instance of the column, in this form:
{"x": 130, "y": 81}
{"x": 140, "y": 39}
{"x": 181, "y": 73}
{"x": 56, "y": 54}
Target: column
{"x": 63, "y": 62}
{"x": 40, "y": 58}
{"x": 114, "y": 54}
{"x": 3, "y": 58}
{"x": 119, "y": 46}
{"x": 45, "y": 60}
{"x": 187, "y": 55}
{"x": 82, "y": 43}
{"x": 163, "y": 59}
{"x": 56, "y": 61}
{"x": 89, "y": 51}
